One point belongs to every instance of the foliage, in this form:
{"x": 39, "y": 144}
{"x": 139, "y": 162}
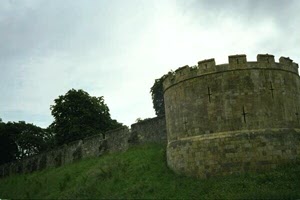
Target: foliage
{"x": 8, "y": 147}
{"x": 30, "y": 139}
{"x": 77, "y": 115}
{"x": 19, "y": 140}
{"x": 142, "y": 173}
{"x": 157, "y": 94}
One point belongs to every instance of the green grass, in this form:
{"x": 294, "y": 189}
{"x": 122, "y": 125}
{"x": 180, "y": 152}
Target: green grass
{"x": 141, "y": 172}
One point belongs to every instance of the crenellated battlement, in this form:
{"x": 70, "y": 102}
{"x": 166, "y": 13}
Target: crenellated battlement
{"x": 235, "y": 62}
{"x": 265, "y": 59}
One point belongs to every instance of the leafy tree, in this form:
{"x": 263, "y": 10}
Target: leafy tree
{"x": 30, "y": 139}
{"x": 8, "y": 147}
{"x": 77, "y": 115}
{"x": 157, "y": 94}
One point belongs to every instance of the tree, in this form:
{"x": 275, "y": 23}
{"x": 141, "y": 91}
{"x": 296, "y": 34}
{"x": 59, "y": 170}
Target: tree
{"x": 157, "y": 94}
{"x": 8, "y": 147}
{"x": 77, "y": 115}
{"x": 30, "y": 139}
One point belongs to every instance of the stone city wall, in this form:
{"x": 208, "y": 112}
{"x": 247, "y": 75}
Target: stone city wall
{"x": 68, "y": 153}
{"x": 143, "y": 131}
{"x": 93, "y": 146}
{"x": 117, "y": 140}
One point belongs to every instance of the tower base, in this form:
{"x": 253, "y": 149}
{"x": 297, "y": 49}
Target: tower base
{"x": 233, "y": 152}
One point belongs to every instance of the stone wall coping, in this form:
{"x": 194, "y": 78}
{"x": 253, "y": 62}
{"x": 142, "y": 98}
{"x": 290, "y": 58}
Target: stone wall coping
{"x": 147, "y": 120}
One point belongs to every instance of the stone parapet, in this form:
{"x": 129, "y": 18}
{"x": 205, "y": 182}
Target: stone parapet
{"x": 235, "y": 62}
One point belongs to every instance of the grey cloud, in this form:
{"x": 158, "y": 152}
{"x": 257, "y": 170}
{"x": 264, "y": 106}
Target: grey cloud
{"x": 117, "y": 48}
{"x": 77, "y": 28}
{"x": 281, "y": 11}
{"x": 38, "y": 29}
{"x": 48, "y": 47}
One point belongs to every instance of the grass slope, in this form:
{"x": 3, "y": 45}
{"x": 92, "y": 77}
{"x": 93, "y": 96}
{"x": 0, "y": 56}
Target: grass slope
{"x": 141, "y": 172}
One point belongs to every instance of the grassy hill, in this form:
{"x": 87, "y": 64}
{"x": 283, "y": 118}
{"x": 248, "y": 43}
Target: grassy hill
{"x": 141, "y": 172}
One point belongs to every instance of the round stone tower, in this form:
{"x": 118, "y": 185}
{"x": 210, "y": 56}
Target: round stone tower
{"x": 231, "y": 118}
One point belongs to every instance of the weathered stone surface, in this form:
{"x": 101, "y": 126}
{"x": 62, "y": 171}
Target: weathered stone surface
{"x": 151, "y": 130}
{"x": 117, "y": 140}
{"x": 212, "y": 156}
{"x": 217, "y": 107}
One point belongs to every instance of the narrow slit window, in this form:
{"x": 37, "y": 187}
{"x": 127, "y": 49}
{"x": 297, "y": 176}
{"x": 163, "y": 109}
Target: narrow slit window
{"x": 209, "y": 94}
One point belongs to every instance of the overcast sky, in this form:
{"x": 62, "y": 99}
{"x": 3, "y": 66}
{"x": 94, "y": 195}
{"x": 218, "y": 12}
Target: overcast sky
{"x": 117, "y": 48}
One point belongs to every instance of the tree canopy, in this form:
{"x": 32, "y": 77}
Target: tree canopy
{"x": 8, "y": 147}
{"x": 19, "y": 140}
{"x": 157, "y": 94}
{"x": 77, "y": 115}
{"x": 30, "y": 138}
